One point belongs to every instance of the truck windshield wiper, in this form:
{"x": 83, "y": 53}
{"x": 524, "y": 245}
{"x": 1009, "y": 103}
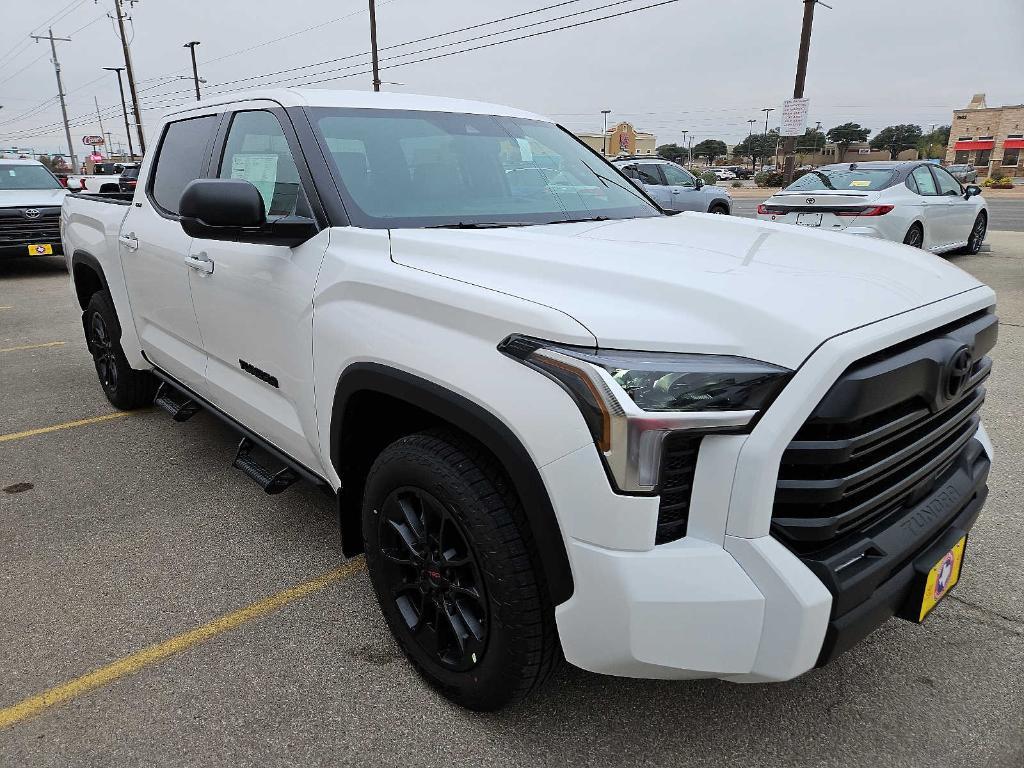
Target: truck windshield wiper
{"x": 578, "y": 221}
{"x": 482, "y": 225}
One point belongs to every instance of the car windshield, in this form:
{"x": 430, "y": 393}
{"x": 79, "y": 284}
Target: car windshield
{"x": 440, "y": 169}
{"x": 26, "y": 177}
{"x": 858, "y": 179}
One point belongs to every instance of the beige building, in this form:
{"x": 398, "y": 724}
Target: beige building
{"x": 989, "y": 138}
{"x": 621, "y": 139}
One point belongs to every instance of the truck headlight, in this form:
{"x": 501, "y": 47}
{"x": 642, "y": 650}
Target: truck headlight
{"x": 631, "y": 400}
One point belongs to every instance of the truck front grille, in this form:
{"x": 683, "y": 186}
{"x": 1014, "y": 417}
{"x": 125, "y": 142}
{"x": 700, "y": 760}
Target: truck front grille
{"x": 17, "y": 229}
{"x": 678, "y": 465}
{"x": 883, "y": 434}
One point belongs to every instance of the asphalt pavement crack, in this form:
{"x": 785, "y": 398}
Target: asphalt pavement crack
{"x": 995, "y": 616}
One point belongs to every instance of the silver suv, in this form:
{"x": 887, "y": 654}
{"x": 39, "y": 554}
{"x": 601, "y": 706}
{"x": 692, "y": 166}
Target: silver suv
{"x": 673, "y": 187}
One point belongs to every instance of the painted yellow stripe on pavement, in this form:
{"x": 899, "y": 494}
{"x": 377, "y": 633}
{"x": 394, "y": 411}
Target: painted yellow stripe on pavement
{"x": 65, "y": 425}
{"x": 6, "y": 307}
{"x": 63, "y": 693}
{"x": 34, "y": 346}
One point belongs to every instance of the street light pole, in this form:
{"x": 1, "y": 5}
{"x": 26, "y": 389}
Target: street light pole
{"x": 373, "y": 45}
{"x": 684, "y": 138}
{"x": 124, "y": 108}
{"x": 764, "y": 144}
{"x": 195, "y": 70}
{"x": 604, "y": 136}
{"x": 750, "y": 142}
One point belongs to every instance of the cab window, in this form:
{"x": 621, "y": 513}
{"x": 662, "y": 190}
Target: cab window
{"x": 181, "y": 158}
{"x": 923, "y": 180}
{"x": 649, "y": 174}
{"x": 257, "y": 151}
{"x": 676, "y": 177}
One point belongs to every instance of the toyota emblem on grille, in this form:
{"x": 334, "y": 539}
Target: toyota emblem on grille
{"x": 31, "y": 213}
{"x": 810, "y": 201}
{"x": 958, "y": 372}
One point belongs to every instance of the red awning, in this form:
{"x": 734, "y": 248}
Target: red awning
{"x": 962, "y": 146}
{"x": 1013, "y": 144}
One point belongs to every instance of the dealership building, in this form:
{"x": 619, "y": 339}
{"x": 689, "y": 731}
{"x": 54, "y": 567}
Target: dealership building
{"x": 989, "y": 138}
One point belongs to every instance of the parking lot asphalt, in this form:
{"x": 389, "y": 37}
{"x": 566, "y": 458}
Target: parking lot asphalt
{"x": 119, "y": 535}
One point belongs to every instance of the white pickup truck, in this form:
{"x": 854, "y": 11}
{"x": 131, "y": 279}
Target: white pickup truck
{"x": 556, "y": 419}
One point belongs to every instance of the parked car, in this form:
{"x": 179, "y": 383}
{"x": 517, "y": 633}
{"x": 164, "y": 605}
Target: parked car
{"x": 741, "y": 171}
{"x": 30, "y": 199}
{"x": 916, "y": 203}
{"x": 129, "y": 177}
{"x": 964, "y": 173}
{"x": 673, "y": 187}
{"x": 723, "y": 174}
{"x": 554, "y": 422}
{"x": 105, "y": 178}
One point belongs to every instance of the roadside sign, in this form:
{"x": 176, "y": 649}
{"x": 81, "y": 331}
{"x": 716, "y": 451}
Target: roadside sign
{"x": 94, "y": 141}
{"x": 794, "y": 117}
{"x": 864, "y": 151}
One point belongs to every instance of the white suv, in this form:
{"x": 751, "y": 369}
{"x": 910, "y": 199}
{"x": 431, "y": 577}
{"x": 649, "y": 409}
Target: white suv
{"x": 553, "y": 417}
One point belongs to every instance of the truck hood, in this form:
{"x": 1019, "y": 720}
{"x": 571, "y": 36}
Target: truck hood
{"x": 31, "y": 198}
{"x": 694, "y": 282}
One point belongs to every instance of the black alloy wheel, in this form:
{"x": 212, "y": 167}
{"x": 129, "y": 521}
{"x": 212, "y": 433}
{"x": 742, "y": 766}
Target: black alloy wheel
{"x": 103, "y": 356}
{"x": 977, "y": 234}
{"x": 433, "y": 578}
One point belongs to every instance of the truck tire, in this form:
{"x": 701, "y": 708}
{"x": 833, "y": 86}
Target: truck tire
{"x": 455, "y": 570}
{"x": 124, "y": 387}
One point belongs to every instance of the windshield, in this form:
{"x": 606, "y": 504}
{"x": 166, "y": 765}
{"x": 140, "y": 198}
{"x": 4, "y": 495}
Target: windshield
{"x": 26, "y": 177}
{"x": 858, "y": 180}
{"x": 423, "y": 169}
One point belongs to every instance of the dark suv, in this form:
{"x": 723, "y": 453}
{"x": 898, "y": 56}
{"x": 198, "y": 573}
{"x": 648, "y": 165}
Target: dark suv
{"x": 129, "y": 177}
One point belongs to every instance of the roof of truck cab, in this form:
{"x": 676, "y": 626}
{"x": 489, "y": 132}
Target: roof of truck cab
{"x": 317, "y": 97}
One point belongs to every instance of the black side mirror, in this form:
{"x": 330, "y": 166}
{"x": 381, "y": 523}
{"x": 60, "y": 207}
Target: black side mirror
{"x": 233, "y": 210}
{"x": 971, "y": 190}
{"x": 698, "y": 183}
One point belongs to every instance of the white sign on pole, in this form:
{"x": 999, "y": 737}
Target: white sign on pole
{"x": 794, "y": 117}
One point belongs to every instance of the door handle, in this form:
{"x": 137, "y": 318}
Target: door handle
{"x": 129, "y": 241}
{"x": 200, "y": 263}
{"x": 675, "y": 191}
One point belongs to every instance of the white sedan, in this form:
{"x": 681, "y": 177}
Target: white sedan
{"x": 723, "y": 174}
{"x": 916, "y": 203}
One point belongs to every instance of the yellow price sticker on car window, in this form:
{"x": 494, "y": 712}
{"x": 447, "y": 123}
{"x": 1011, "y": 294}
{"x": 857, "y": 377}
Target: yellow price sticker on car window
{"x": 860, "y": 183}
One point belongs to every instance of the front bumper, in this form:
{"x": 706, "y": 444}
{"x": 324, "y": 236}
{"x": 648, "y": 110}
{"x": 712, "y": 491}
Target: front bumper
{"x": 729, "y": 600}
{"x": 21, "y": 250}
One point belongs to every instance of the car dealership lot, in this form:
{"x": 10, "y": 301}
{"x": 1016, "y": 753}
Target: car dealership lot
{"x": 136, "y": 531}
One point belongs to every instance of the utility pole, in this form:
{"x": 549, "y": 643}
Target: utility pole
{"x": 124, "y": 108}
{"x": 798, "y": 85}
{"x": 373, "y": 45}
{"x": 195, "y": 70}
{"x": 604, "y": 136}
{"x": 764, "y": 144}
{"x": 99, "y": 117}
{"x": 60, "y": 92}
{"x": 750, "y": 141}
{"x": 684, "y": 140}
{"x": 119, "y": 13}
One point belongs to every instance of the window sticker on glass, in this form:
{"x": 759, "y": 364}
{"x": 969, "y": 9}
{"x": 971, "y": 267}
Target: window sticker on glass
{"x": 525, "y": 151}
{"x": 860, "y": 183}
{"x": 260, "y": 170}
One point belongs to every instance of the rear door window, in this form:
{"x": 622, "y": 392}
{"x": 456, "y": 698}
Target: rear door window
{"x": 677, "y": 177}
{"x": 181, "y": 159}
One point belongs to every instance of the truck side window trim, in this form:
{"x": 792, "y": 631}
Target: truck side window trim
{"x": 204, "y": 162}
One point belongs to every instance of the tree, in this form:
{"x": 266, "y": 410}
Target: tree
{"x": 672, "y": 152}
{"x": 756, "y": 146}
{"x": 933, "y": 145}
{"x": 896, "y": 138}
{"x": 710, "y": 148}
{"x": 813, "y": 140}
{"x": 846, "y": 134}
{"x": 55, "y": 163}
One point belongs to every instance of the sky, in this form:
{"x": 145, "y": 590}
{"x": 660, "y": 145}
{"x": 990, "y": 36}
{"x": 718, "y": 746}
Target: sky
{"x": 704, "y": 66}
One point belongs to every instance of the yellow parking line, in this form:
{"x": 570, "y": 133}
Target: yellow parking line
{"x": 6, "y": 307}
{"x": 65, "y": 425}
{"x": 129, "y": 664}
{"x": 33, "y": 346}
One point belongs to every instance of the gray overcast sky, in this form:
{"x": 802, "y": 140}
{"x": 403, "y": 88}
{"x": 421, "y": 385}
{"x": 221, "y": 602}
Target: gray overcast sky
{"x": 703, "y": 65}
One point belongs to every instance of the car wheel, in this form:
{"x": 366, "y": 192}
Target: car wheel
{"x": 977, "y": 236}
{"x": 719, "y": 209}
{"x": 454, "y": 568}
{"x": 914, "y": 237}
{"x": 124, "y": 387}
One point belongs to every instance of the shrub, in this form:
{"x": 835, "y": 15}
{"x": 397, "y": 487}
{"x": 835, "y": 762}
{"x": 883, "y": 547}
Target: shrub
{"x": 1002, "y": 182}
{"x": 768, "y": 179}
{"x": 709, "y": 178}
{"x": 737, "y": 184}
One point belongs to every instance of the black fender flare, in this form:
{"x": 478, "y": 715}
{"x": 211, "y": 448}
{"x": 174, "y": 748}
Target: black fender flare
{"x": 721, "y": 201}
{"x": 484, "y": 427}
{"x": 87, "y": 259}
